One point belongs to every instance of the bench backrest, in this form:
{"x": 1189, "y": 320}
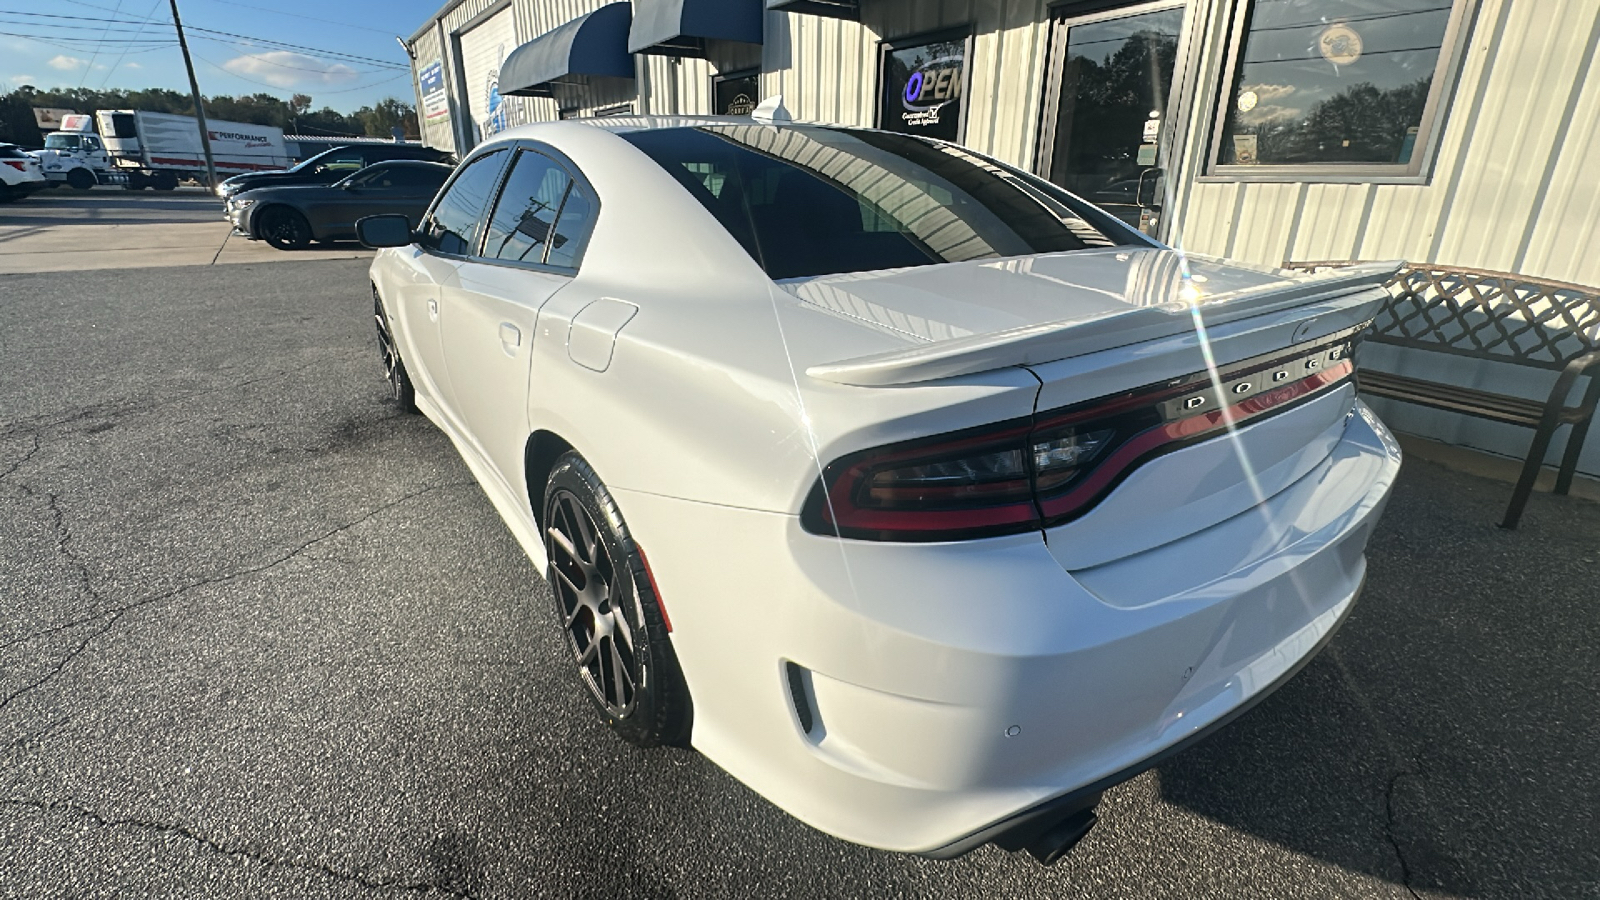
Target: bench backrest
{"x": 1486, "y": 315}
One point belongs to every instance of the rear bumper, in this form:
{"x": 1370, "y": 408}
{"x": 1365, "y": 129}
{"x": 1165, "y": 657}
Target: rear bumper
{"x": 954, "y": 691}
{"x": 24, "y": 188}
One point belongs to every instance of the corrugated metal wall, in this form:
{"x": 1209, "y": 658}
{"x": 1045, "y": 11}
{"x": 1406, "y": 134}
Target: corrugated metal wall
{"x": 1515, "y": 185}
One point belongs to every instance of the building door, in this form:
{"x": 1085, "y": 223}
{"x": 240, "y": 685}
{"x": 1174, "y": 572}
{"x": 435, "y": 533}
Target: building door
{"x": 1108, "y": 131}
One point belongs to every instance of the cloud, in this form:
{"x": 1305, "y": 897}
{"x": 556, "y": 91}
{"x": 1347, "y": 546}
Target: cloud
{"x": 134, "y": 65}
{"x": 1266, "y": 93}
{"x": 286, "y": 69}
{"x": 67, "y": 63}
{"x": 22, "y": 79}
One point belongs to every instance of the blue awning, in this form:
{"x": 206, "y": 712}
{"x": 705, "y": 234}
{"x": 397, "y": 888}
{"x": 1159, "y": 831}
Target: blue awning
{"x": 682, "y": 27}
{"x": 833, "y": 9}
{"x": 591, "y": 46}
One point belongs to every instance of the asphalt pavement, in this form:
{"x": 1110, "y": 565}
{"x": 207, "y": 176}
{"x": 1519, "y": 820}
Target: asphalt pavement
{"x": 62, "y": 230}
{"x": 262, "y": 636}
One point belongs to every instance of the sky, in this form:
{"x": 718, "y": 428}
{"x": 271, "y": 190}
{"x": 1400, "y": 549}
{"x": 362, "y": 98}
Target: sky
{"x": 342, "y": 54}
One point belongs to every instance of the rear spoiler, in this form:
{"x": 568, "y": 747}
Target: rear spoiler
{"x": 1051, "y": 341}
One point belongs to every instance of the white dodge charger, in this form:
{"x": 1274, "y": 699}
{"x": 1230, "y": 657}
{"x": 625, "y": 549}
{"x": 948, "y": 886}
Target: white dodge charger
{"x": 922, "y": 496}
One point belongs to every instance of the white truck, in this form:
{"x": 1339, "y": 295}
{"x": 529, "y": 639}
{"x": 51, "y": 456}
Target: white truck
{"x": 140, "y": 149}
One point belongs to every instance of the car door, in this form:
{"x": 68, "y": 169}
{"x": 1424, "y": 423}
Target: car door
{"x": 489, "y": 314}
{"x": 446, "y": 236}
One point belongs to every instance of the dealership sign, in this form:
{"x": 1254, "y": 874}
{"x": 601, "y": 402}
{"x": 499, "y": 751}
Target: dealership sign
{"x": 435, "y": 102}
{"x": 49, "y": 119}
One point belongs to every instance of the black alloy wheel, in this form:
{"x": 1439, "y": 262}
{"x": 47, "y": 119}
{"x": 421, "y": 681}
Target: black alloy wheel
{"x": 609, "y": 613}
{"x": 284, "y": 228}
{"x": 401, "y": 390}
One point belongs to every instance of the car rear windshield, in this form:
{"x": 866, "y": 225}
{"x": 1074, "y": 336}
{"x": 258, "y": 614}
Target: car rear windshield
{"x": 808, "y": 201}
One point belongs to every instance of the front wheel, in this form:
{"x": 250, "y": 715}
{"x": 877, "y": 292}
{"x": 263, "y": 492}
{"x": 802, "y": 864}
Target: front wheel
{"x": 284, "y": 228}
{"x": 81, "y": 179}
{"x": 610, "y": 616}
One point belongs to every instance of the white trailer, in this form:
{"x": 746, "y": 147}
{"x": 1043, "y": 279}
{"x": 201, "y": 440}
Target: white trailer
{"x": 160, "y": 148}
{"x": 149, "y": 149}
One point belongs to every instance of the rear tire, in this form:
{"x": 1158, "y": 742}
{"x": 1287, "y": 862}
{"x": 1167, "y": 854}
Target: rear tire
{"x": 164, "y": 181}
{"x": 401, "y": 391}
{"x": 81, "y": 179}
{"x": 609, "y": 614}
{"x": 284, "y": 228}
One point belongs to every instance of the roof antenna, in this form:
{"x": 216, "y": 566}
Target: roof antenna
{"x": 772, "y": 111}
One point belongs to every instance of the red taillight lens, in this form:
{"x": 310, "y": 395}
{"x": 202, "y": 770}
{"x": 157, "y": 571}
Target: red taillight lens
{"x": 15, "y": 164}
{"x": 967, "y": 482}
{"x": 1026, "y": 474}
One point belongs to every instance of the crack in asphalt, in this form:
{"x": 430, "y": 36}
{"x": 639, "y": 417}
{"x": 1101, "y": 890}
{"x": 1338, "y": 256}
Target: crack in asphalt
{"x": 215, "y": 846}
{"x": 1388, "y": 832}
{"x": 11, "y": 469}
{"x": 116, "y": 409}
{"x": 114, "y": 615}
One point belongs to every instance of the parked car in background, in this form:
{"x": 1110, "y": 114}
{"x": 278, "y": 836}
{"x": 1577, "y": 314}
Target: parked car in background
{"x": 923, "y": 496}
{"x": 20, "y": 174}
{"x": 291, "y": 216}
{"x": 331, "y": 165}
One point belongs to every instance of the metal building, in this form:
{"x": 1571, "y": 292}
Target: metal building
{"x": 1458, "y": 132}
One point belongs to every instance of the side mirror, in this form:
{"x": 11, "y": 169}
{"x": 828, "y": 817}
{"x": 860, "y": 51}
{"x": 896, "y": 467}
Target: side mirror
{"x": 384, "y": 231}
{"x": 1147, "y": 194}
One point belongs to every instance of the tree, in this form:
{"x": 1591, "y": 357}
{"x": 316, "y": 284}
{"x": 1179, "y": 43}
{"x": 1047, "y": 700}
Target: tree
{"x": 390, "y": 113}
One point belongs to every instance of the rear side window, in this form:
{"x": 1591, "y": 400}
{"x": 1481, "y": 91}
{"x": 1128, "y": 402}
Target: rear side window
{"x": 11, "y": 153}
{"x": 572, "y": 228}
{"x": 817, "y": 201}
{"x": 345, "y": 162}
{"x": 527, "y": 208}
{"x": 452, "y": 227}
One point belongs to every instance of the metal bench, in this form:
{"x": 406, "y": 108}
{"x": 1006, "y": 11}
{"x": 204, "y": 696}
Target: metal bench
{"x": 1504, "y": 318}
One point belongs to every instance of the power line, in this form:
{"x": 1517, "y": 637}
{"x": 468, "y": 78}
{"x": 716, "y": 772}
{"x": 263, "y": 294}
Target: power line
{"x": 95, "y": 53}
{"x": 34, "y": 15}
{"x": 148, "y": 17}
{"x": 245, "y": 37}
{"x": 262, "y": 58}
{"x": 58, "y": 37}
{"x": 330, "y": 53}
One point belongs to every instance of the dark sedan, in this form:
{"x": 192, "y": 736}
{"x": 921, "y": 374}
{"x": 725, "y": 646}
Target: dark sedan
{"x": 330, "y": 166}
{"x": 291, "y": 217}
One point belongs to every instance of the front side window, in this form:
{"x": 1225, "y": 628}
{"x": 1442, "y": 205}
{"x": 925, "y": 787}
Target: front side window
{"x": 452, "y": 227}
{"x": 1335, "y": 83}
{"x": 519, "y": 230}
{"x": 806, "y": 201}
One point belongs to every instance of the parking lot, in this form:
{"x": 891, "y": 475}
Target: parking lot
{"x": 114, "y": 228}
{"x": 261, "y": 635}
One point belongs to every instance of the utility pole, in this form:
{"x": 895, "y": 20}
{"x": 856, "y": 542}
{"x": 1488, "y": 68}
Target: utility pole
{"x": 194, "y": 89}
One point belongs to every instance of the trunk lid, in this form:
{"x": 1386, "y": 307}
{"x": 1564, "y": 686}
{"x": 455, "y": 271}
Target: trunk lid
{"x": 964, "y": 318}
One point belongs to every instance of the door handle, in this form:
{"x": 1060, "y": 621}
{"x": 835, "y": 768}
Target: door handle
{"x": 510, "y": 337}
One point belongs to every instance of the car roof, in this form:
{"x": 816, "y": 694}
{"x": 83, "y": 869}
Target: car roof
{"x": 409, "y": 164}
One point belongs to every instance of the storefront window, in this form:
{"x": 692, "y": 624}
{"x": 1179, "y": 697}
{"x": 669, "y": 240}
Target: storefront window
{"x": 922, "y": 82}
{"x": 1336, "y": 83}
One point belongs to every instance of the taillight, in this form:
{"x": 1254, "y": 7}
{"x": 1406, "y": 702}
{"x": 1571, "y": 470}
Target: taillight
{"x": 1034, "y": 473}
{"x": 15, "y": 164}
